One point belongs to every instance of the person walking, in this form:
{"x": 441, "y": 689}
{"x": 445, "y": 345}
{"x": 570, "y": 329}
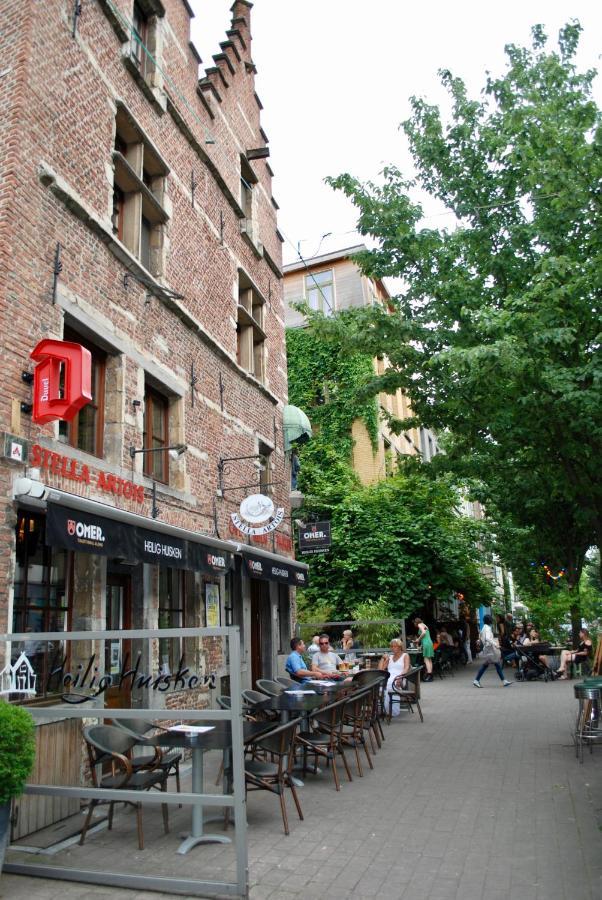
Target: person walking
{"x": 490, "y": 654}
{"x": 426, "y": 645}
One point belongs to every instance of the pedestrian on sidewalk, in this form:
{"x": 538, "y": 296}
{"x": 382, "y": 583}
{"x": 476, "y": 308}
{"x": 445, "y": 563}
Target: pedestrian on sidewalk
{"x": 490, "y": 654}
{"x": 426, "y": 645}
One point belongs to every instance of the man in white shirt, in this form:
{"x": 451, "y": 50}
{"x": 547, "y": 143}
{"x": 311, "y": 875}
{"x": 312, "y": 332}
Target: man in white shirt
{"x": 325, "y": 660}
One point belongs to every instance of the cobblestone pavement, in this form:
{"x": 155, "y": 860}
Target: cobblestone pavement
{"x": 483, "y": 801}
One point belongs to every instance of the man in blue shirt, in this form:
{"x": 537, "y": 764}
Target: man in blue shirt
{"x": 295, "y": 664}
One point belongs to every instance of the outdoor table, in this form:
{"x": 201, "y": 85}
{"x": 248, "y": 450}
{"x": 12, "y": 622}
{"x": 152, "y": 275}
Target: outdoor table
{"x": 288, "y": 704}
{"x": 305, "y": 705}
{"x": 219, "y": 738}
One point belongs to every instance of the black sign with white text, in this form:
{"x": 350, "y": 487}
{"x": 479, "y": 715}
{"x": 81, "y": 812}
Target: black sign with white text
{"x": 315, "y": 537}
{"x": 89, "y": 533}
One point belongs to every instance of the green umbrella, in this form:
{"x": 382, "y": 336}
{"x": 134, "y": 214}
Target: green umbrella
{"x": 297, "y": 427}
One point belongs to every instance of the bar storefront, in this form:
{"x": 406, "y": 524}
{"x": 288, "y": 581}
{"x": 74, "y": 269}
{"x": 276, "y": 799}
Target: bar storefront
{"x": 84, "y": 565}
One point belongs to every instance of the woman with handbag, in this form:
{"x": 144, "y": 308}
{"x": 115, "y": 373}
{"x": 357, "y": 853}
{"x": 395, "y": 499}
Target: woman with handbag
{"x": 490, "y": 654}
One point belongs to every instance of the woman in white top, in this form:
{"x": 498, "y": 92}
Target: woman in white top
{"x": 490, "y": 653}
{"x": 396, "y": 663}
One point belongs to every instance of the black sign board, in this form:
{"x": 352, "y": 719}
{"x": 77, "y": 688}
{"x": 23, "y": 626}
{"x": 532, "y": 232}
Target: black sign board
{"x": 208, "y": 559}
{"x": 285, "y": 571}
{"x": 88, "y": 533}
{"x": 315, "y": 538}
{"x": 161, "y": 549}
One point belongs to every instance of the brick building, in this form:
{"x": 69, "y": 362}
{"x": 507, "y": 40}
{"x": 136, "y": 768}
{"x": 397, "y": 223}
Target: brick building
{"x": 137, "y": 220}
{"x": 332, "y": 282}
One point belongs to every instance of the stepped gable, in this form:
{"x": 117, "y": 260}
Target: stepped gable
{"x": 232, "y": 62}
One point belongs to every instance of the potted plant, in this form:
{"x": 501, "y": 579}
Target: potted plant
{"x": 17, "y": 754}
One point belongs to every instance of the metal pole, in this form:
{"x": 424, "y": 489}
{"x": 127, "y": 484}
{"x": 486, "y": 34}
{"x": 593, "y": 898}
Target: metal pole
{"x": 238, "y": 766}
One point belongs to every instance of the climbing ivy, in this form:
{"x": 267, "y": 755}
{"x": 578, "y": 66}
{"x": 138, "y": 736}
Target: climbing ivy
{"x": 325, "y": 384}
{"x": 399, "y": 542}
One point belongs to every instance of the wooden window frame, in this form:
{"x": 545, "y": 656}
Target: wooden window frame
{"x": 151, "y": 397}
{"x": 310, "y": 284}
{"x": 99, "y": 358}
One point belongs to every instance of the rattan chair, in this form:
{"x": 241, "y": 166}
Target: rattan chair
{"x": 328, "y": 741}
{"x": 275, "y": 776}
{"x": 139, "y": 728}
{"x": 287, "y": 683}
{"x": 269, "y": 687}
{"x": 107, "y": 744}
{"x": 409, "y": 695}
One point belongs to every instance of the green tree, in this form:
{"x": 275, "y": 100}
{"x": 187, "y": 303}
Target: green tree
{"x": 495, "y": 334}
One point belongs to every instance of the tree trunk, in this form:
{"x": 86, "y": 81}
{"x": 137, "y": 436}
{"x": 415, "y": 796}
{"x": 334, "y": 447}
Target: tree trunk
{"x": 575, "y": 620}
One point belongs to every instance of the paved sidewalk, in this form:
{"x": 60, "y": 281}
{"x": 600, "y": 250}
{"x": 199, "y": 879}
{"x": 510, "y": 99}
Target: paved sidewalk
{"x": 484, "y": 801}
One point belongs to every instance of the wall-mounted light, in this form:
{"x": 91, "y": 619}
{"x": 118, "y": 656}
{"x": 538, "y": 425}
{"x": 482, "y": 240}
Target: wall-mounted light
{"x": 175, "y": 451}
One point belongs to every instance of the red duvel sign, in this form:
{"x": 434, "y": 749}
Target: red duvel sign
{"x": 62, "y": 380}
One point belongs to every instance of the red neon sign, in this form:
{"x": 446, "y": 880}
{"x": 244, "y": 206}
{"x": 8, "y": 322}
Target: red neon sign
{"x": 62, "y": 382}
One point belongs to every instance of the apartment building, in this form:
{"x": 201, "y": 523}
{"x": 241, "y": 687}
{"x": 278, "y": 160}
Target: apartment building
{"x": 333, "y": 282}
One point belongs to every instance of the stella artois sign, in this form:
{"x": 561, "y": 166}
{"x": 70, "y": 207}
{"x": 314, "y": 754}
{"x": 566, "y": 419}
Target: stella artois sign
{"x": 257, "y": 515}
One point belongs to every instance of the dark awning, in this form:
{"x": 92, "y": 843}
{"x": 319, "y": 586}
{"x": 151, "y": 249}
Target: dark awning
{"x": 274, "y": 568}
{"x": 87, "y": 532}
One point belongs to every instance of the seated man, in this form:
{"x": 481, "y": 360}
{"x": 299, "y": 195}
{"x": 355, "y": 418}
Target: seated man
{"x": 325, "y": 660}
{"x": 296, "y": 666}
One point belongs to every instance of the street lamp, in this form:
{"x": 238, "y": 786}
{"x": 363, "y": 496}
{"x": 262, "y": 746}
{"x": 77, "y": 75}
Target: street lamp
{"x": 175, "y": 451}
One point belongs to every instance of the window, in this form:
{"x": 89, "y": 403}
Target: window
{"x": 40, "y": 596}
{"x": 139, "y": 218}
{"x": 171, "y": 615}
{"x": 319, "y": 291}
{"x": 247, "y": 180}
{"x": 250, "y": 336}
{"x": 86, "y": 430}
{"x": 156, "y": 435}
{"x": 265, "y": 470}
{"x": 139, "y": 37}
{"x": 389, "y": 459}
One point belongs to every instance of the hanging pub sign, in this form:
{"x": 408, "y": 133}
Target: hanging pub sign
{"x": 315, "y": 537}
{"x": 62, "y": 380}
{"x": 257, "y": 515}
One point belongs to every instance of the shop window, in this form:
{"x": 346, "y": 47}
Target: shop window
{"x": 139, "y": 217}
{"x": 319, "y": 291}
{"x": 171, "y": 615}
{"x": 284, "y": 618}
{"x": 156, "y": 435}
{"x": 250, "y": 334}
{"x": 86, "y": 430}
{"x": 41, "y": 598}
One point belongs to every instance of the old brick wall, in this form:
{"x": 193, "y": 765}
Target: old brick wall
{"x": 60, "y": 95}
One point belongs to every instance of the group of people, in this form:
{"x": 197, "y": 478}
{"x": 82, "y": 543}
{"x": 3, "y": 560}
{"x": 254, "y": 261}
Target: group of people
{"x": 325, "y": 662}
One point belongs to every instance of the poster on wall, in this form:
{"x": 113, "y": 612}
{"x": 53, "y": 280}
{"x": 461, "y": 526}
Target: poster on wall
{"x": 212, "y": 610}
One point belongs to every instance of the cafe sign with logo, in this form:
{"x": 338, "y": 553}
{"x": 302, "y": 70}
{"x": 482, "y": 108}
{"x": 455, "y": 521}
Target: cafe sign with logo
{"x": 257, "y": 515}
{"x": 314, "y": 537}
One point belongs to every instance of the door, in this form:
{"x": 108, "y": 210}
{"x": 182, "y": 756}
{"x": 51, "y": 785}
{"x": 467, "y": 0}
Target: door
{"x": 260, "y": 603}
{"x": 118, "y": 654}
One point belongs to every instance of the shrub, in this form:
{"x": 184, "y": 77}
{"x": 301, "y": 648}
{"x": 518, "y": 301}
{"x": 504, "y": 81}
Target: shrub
{"x": 17, "y": 749}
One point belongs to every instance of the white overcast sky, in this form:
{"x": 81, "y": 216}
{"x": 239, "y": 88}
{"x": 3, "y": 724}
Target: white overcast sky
{"x": 334, "y": 77}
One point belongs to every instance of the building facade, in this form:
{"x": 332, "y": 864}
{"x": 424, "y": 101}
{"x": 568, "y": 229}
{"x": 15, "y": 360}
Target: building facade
{"x": 333, "y": 282}
{"x": 137, "y": 221}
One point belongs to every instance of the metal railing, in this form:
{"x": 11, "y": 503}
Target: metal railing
{"x": 236, "y": 800}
